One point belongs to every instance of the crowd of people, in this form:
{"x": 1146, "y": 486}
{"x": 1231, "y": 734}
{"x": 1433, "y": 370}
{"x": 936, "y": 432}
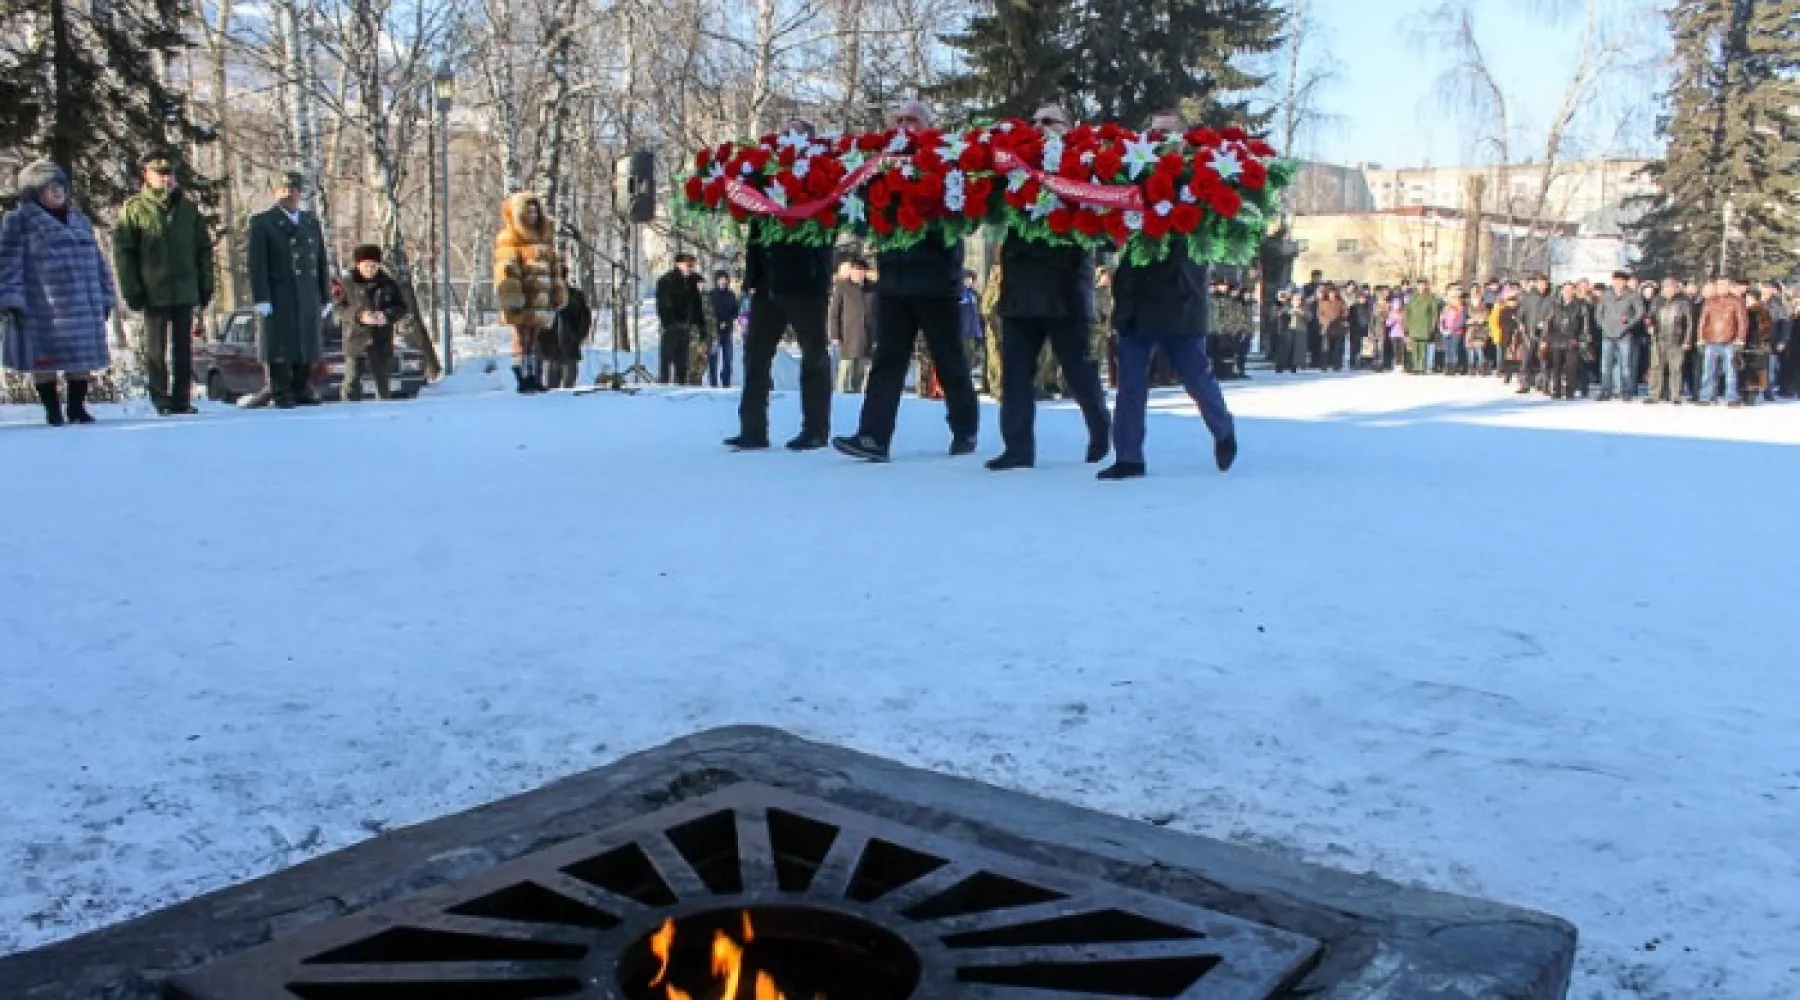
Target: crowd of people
{"x": 1670, "y": 341}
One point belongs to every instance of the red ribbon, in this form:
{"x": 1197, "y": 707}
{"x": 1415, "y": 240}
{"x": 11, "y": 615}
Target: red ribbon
{"x": 1118, "y": 197}
{"x": 751, "y": 200}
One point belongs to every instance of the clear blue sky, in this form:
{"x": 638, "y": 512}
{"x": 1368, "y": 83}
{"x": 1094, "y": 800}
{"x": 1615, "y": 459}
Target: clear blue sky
{"x": 1385, "y": 90}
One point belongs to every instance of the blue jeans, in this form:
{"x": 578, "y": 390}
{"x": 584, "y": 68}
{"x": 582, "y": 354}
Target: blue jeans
{"x": 1618, "y": 374}
{"x": 1456, "y": 355}
{"x": 719, "y": 362}
{"x": 1718, "y": 356}
{"x": 1187, "y": 355}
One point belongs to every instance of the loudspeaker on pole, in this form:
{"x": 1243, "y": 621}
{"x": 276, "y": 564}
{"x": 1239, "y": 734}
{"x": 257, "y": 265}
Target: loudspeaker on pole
{"x": 634, "y": 178}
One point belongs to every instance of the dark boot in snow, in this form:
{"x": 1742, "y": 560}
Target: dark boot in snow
{"x": 747, "y": 442}
{"x": 78, "y": 413}
{"x": 807, "y": 442}
{"x": 518, "y": 379}
{"x": 52, "y": 401}
{"x": 1099, "y": 443}
{"x": 1006, "y": 461}
{"x": 1121, "y": 470}
{"x": 962, "y": 444}
{"x": 861, "y": 446}
{"x": 1225, "y": 453}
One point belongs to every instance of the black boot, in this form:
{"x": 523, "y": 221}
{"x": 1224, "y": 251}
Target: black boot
{"x": 1099, "y": 443}
{"x": 1225, "y": 452}
{"x": 962, "y": 444}
{"x": 861, "y": 446}
{"x": 303, "y": 390}
{"x": 747, "y": 442}
{"x": 1121, "y": 470}
{"x": 281, "y": 385}
{"x": 78, "y": 390}
{"x": 519, "y": 380}
{"x": 808, "y": 442}
{"x": 1006, "y": 461}
{"x": 52, "y": 401}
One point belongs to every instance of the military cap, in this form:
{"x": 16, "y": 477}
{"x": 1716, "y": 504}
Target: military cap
{"x": 161, "y": 163}
{"x": 290, "y": 179}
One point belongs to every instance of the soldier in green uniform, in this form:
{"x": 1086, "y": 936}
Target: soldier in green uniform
{"x": 290, "y": 280}
{"x": 163, "y": 255}
{"x": 705, "y": 335}
{"x": 1101, "y": 333}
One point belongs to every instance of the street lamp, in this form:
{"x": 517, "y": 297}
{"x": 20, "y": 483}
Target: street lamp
{"x": 443, "y": 85}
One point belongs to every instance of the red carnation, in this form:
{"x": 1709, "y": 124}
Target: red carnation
{"x": 880, "y": 194}
{"x": 737, "y": 211}
{"x": 1082, "y": 135}
{"x": 1186, "y": 218}
{"x": 1234, "y": 134}
{"x": 702, "y": 158}
{"x": 976, "y": 197}
{"x": 1261, "y": 148}
{"x": 828, "y": 218}
{"x": 1202, "y": 138}
{"x": 909, "y": 219}
{"x": 1255, "y": 175}
{"x": 1113, "y": 132}
{"x": 1071, "y": 166}
{"x": 1171, "y": 164}
{"x": 1107, "y": 164}
{"x": 819, "y": 183}
{"x": 976, "y": 157}
{"x": 1156, "y": 226}
{"x": 723, "y": 153}
{"x": 786, "y": 156}
{"x": 715, "y": 192}
{"x": 1225, "y": 201}
{"x": 1160, "y": 187}
{"x": 757, "y": 158}
{"x": 1061, "y": 221}
{"x": 881, "y": 224}
{"x": 1088, "y": 224}
{"x": 1205, "y": 180}
{"x": 873, "y": 142}
{"x": 1117, "y": 229}
{"x": 769, "y": 140}
{"x": 694, "y": 188}
{"x": 929, "y": 159}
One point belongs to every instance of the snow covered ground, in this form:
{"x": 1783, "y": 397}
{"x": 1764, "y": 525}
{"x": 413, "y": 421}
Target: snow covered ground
{"x": 1539, "y": 652}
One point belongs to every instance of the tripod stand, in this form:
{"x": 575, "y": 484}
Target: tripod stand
{"x": 627, "y": 318}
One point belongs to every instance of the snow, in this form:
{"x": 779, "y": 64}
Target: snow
{"x": 1532, "y": 651}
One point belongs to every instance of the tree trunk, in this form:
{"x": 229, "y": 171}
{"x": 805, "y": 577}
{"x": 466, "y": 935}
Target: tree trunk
{"x": 231, "y": 277}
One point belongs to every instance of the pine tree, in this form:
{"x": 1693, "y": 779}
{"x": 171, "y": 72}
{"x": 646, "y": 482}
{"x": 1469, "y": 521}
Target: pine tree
{"x": 92, "y": 98}
{"x": 1732, "y": 136}
{"x": 1119, "y": 60}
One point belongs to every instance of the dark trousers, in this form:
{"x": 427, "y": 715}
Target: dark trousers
{"x": 380, "y": 359}
{"x": 718, "y": 364}
{"x": 1567, "y": 375}
{"x": 1188, "y": 356}
{"x": 770, "y": 317}
{"x": 169, "y": 355}
{"x": 1333, "y": 357}
{"x": 672, "y": 350}
{"x": 1023, "y": 340}
{"x": 899, "y": 321}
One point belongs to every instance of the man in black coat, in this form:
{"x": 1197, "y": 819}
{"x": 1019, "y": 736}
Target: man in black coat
{"x": 851, "y": 325}
{"x": 1046, "y": 293}
{"x": 370, "y": 306}
{"x": 678, "y": 311}
{"x": 918, "y": 292}
{"x": 1535, "y": 307}
{"x": 725, "y": 313}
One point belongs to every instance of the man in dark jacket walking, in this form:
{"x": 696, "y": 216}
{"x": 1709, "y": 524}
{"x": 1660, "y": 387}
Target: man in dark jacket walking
{"x": 1671, "y": 339}
{"x": 1535, "y": 307}
{"x": 790, "y": 288}
{"x": 918, "y": 293}
{"x": 677, "y": 313}
{"x": 725, "y": 313}
{"x": 851, "y": 325}
{"x": 163, "y": 254}
{"x": 370, "y": 306}
{"x": 290, "y": 281}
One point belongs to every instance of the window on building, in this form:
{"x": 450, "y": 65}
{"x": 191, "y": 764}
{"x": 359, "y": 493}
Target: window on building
{"x": 1346, "y": 246}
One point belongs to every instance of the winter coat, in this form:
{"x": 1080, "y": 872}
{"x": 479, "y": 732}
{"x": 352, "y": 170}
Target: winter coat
{"x": 1422, "y": 316}
{"x": 677, "y": 301}
{"x": 574, "y": 321}
{"x": 724, "y": 307}
{"x": 788, "y": 269}
{"x": 380, "y": 294}
{"x": 1331, "y": 310}
{"x": 1103, "y": 307}
{"x": 927, "y": 270}
{"x": 288, "y": 271}
{"x": 52, "y": 273}
{"x": 1619, "y": 312}
{"x": 163, "y": 251}
{"x": 1165, "y": 298}
{"x": 1534, "y": 313}
{"x": 1041, "y": 281}
{"x": 850, "y": 320}
{"x": 1672, "y": 325}
{"x": 1453, "y": 321}
{"x": 1723, "y": 320}
{"x": 1568, "y": 323}
{"x": 527, "y": 279}
{"x": 969, "y": 310}
{"x": 1476, "y": 329}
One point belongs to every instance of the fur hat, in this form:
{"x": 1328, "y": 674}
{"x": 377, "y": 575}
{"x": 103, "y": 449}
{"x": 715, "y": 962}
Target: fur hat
{"x": 40, "y": 175}
{"x": 368, "y": 251}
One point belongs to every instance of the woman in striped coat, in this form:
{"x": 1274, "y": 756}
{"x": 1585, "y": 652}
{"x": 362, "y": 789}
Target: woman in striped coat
{"x": 55, "y": 290}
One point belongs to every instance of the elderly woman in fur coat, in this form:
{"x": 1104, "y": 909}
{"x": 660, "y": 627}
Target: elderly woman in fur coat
{"x": 527, "y": 281}
{"x": 56, "y": 291}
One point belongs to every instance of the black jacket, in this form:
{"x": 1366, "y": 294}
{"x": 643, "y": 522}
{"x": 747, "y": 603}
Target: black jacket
{"x": 574, "y": 321}
{"x": 379, "y": 294}
{"x": 1569, "y": 322}
{"x": 787, "y": 269}
{"x": 1672, "y": 322}
{"x": 1038, "y": 280}
{"x": 677, "y": 300}
{"x": 929, "y": 270}
{"x": 1534, "y": 313}
{"x": 1166, "y": 299}
{"x": 725, "y": 307}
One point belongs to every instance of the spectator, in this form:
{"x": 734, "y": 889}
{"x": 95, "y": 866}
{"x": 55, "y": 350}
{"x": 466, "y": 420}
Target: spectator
{"x": 56, "y": 292}
{"x": 527, "y": 282}
{"x": 370, "y": 305}
{"x": 165, "y": 260}
{"x": 678, "y": 311}
{"x": 725, "y": 314}
{"x": 851, "y": 324}
{"x": 1421, "y": 323}
{"x": 561, "y": 344}
{"x": 1671, "y": 340}
{"x": 1723, "y": 328}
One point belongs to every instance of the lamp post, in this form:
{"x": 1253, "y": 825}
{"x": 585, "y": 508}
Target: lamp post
{"x": 444, "y": 86}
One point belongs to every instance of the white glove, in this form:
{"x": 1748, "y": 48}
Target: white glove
{"x": 265, "y": 309}
{"x": 325, "y": 310}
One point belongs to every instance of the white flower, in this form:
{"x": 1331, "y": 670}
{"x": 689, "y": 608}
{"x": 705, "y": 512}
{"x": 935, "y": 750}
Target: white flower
{"x": 955, "y": 193}
{"x": 908, "y": 171}
{"x": 801, "y": 168}
{"x": 1045, "y": 204}
{"x": 817, "y": 149}
{"x": 1163, "y": 207}
{"x": 778, "y": 195}
{"x": 1053, "y": 151}
{"x": 899, "y": 142}
{"x": 1004, "y": 126}
{"x": 1016, "y": 180}
{"x": 854, "y": 159}
{"x": 1225, "y": 162}
{"x": 853, "y": 207}
{"x": 1134, "y": 221}
{"x": 1188, "y": 195}
{"x": 1140, "y": 153}
{"x": 952, "y": 149}
{"x": 748, "y": 170}
{"x": 1087, "y": 158}
{"x": 717, "y": 171}
{"x": 794, "y": 139}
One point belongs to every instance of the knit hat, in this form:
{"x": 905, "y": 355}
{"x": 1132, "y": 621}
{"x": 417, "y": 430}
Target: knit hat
{"x": 40, "y": 175}
{"x": 368, "y": 251}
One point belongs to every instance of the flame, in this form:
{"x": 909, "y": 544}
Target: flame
{"x": 727, "y": 965}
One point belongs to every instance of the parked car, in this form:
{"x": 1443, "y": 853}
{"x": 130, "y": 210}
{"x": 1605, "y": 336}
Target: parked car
{"x": 227, "y": 365}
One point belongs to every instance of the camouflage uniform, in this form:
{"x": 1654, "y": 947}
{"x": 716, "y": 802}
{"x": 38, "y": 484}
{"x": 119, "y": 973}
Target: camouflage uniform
{"x": 990, "y": 315}
{"x": 1102, "y": 333}
{"x": 702, "y": 340}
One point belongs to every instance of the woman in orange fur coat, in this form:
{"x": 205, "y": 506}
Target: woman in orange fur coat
{"x": 527, "y": 280}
